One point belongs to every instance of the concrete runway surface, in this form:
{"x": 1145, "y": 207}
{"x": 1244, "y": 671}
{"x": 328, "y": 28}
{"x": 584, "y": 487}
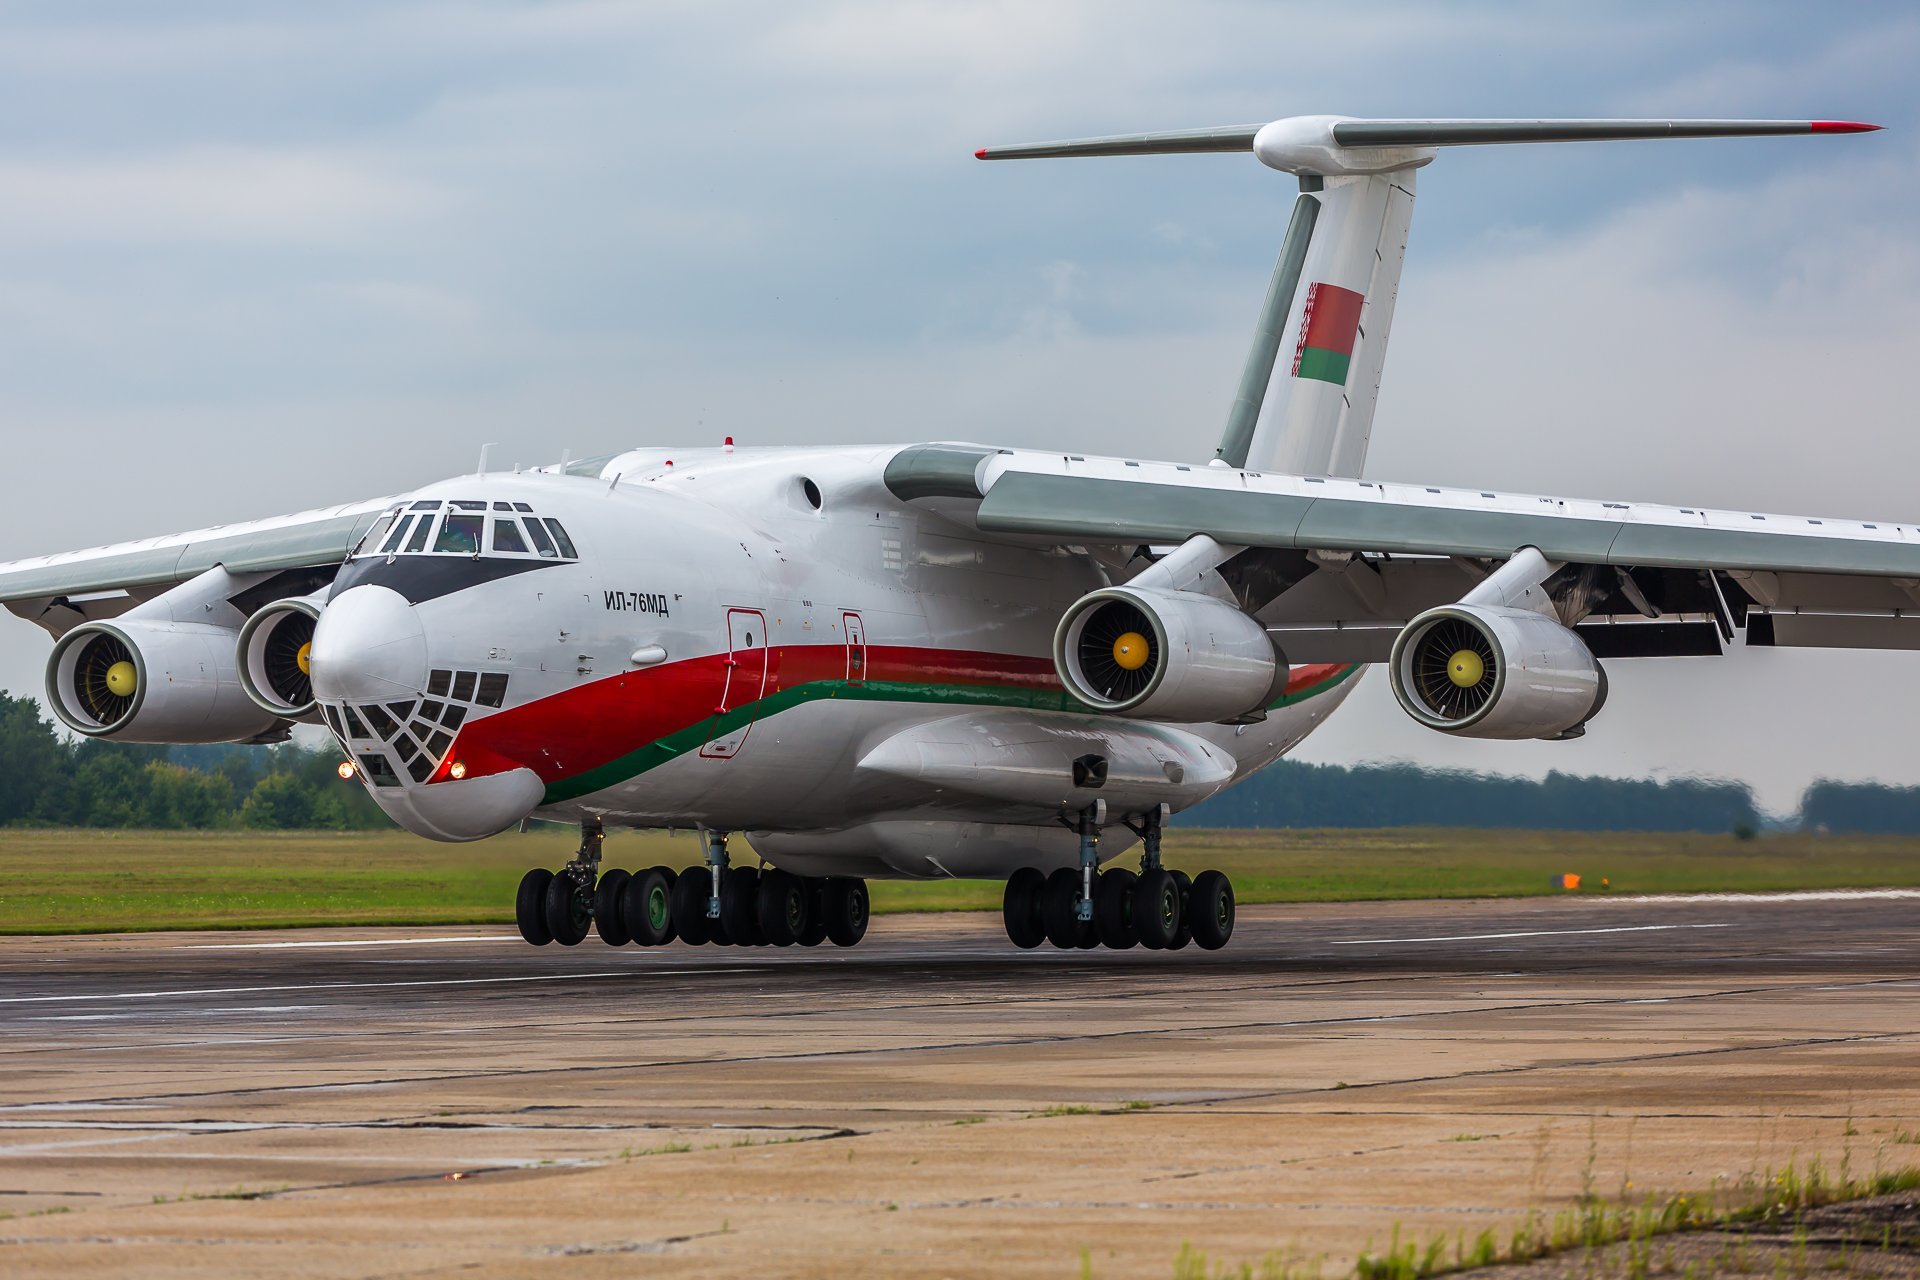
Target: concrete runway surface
{"x": 450, "y": 1101}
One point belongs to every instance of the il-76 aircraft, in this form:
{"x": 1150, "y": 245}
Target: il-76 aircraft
{"x": 948, "y": 659}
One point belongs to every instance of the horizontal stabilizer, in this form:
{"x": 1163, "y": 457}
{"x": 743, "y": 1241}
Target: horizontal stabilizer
{"x": 1455, "y": 133}
{"x": 1341, "y": 144}
{"x": 1228, "y": 138}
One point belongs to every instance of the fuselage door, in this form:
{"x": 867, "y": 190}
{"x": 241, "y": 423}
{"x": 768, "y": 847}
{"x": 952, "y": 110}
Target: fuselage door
{"x": 856, "y": 648}
{"x": 746, "y": 681}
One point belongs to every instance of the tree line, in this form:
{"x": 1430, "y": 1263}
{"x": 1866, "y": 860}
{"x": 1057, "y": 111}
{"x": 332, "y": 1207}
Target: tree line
{"x": 48, "y": 778}
{"x": 1290, "y": 793}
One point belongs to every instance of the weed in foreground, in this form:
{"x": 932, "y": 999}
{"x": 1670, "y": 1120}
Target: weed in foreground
{"x": 1773, "y": 1200}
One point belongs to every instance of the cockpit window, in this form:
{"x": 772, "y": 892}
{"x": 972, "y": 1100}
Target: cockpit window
{"x": 458, "y": 526}
{"x": 560, "y": 537}
{"x": 371, "y": 538}
{"x": 460, "y": 534}
{"x": 541, "y": 542}
{"x": 506, "y": 536}
{"x": 399, "y": 532}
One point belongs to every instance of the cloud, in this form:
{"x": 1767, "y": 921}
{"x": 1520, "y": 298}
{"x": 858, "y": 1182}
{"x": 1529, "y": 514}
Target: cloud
{"x": 228, "y": 196}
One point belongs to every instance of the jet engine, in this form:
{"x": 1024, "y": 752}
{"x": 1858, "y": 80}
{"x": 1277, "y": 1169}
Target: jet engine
{"x": 272, "y": 656}
{"x": 1166, "y": 655}
{"x": 152, "y": 680}
{"x": 1494, "y": 671}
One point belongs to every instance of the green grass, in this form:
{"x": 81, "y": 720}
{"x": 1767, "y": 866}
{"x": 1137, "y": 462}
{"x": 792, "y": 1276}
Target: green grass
{"x": 70, "y": 881}
{"x": 1773, "y": 1200}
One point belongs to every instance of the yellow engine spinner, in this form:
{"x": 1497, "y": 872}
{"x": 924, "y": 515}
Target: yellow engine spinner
{"x": 1466, "y": 668}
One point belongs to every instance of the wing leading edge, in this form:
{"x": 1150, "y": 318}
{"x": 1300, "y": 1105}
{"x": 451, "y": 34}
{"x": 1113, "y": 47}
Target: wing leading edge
{"x": 133, "y": 571}
{"x": 1816, "y": 580}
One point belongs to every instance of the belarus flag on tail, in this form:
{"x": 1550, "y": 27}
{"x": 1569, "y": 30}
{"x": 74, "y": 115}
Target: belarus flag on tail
{"x": 1328, "y": 327}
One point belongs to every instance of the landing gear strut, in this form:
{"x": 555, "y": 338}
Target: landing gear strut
{"x": 560, "y": 906}
{"x": 1085, "y": 907}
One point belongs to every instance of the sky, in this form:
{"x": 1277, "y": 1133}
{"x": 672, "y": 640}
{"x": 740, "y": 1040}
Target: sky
{"x": 259, "y": 257}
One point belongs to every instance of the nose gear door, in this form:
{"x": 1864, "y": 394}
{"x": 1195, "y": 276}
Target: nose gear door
{"x": 746, "y": 681}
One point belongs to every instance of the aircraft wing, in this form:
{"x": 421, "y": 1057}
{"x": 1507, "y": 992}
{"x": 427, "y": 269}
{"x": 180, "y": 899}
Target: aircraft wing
{"x": 61, "y": 591}
{"x": 1366, "y": 556}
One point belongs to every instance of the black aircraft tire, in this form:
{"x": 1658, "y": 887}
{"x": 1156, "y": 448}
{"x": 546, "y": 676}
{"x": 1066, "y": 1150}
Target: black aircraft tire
{"x": 1210, "y": 910}
{"x": 569, "y": 910}
{"x": 846, "y": 903}
{"x": 1156, "y": 909}
{"x": 1059, "y": 900}
{"x": 1113, "y": 909}
{"x": 816, "y": 931}
{"x": 1020, "y": 908}
{"x": 740, "y": 906}
{"x": 784, "y": 907}
{"x": 689, "y": 907}
{"x": 530, "y": 907}
{"x": 1184, "y": 934}
{"x": 646, "y": 907}
{"x": 609, "y": 908}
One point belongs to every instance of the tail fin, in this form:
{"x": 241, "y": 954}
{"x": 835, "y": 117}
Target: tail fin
{"x": 1306, "y": 397}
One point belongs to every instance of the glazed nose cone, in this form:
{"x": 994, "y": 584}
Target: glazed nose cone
{"x": 368, "y": 646}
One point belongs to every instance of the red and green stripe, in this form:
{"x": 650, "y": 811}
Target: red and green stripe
{"x": 1329, "y": 327}
{"x": 601, "y": 734}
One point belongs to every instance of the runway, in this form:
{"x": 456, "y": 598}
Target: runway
{"x": 429, "y": 1102}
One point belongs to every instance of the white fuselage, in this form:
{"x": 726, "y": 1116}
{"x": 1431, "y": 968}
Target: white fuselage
{"x": 768, "y": 643}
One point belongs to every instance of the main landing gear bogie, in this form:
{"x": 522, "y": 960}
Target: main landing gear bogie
{"x": 657, "y": 906}
{"x": 1158, "y": 909}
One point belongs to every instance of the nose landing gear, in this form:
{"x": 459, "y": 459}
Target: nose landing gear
{"x": 714, "y": 903}
{"x": 559, "y": 906}
{"x": 1159, "y": 909}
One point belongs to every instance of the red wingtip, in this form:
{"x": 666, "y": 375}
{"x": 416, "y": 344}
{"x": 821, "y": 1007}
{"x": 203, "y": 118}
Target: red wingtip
{"x": 1842, "y": 126}
{"x": 981, "y": 154}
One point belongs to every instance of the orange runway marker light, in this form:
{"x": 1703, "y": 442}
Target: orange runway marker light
{"x": 1568, "y": 881}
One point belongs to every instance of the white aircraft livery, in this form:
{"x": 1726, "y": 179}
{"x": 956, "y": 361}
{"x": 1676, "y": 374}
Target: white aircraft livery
{"x": 948, "y": 659}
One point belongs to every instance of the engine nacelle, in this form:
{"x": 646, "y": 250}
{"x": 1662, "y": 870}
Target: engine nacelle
{"x": 1166, "y": 655}
{"x": 1493, "y": 671}
{"x": 152, "y": 680}
{"x": 272, "y": 656}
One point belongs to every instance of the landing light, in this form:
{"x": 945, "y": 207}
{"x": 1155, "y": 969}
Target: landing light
{"x": 456, "y": 771}
{"x": 344, "y": 769}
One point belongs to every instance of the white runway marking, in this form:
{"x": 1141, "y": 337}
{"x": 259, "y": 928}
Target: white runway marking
{"x": 223, "y": 1011}
{"x": 1526, "y": 933}
{"x": 351, "y": 942}
{"x": 343, "y": 986}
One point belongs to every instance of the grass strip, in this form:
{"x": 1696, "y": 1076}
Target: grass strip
{"x": 79, "y": 881}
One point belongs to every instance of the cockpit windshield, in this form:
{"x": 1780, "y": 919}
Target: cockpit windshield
{"x": 424, "y": 528}
{"x": 459, "y": 535}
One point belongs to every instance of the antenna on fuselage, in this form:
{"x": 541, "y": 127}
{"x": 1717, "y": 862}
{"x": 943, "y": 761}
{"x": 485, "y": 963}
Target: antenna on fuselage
{"x": 485, "y": 451}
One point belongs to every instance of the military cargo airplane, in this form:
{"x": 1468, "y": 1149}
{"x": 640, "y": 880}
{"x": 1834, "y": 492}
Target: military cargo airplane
{"x": 948, "y": 659}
